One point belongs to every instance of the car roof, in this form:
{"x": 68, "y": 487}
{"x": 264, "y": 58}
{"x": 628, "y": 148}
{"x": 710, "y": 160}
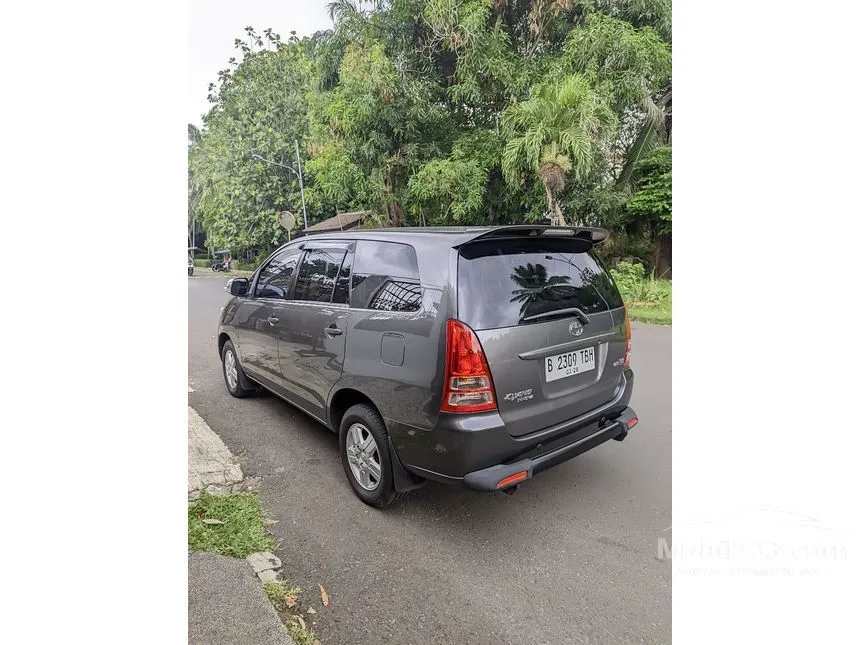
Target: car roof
{"x": 457, "y": 235}
{"x": 452, "y": 234}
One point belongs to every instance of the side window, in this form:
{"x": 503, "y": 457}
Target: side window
{"x": 385, "y": 277}
{"x": 317, "y": 274}
{"x": 341, "y": 287}
{"x": 274, "y": 280}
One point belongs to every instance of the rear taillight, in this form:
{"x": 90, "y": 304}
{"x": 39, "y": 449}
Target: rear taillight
{"x": 468, "y": 386}
{"x": 627, "y": 350}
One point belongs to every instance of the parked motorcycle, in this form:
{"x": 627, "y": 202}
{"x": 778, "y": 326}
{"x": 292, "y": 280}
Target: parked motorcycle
{"x": 221, "y": 261}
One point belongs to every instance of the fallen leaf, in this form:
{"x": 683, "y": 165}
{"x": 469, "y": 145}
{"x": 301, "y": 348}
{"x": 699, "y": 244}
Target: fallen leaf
{"x": 311, "y": 610}
{"x": 212, "y": 520}
{"x": 316, "y": 642}
{"x": 302, "y": 622}
{"x": 324, "y": 596}
{"x": 290, "y": 601}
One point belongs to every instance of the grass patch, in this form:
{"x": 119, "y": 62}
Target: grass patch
{"x": 285, "y": 599}
{"x": 301, "y": 635}
{"x": 281, "y": 594}
{"x": 647, "y": 297}
{"x": 242, "y": 531}
{"x": 659, "y": 315}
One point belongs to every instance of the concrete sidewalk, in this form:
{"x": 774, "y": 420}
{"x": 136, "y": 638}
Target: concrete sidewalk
{"x": 226, "y": 601}
{"x": 227, "y": 604}
{"x": 210, "y": 463}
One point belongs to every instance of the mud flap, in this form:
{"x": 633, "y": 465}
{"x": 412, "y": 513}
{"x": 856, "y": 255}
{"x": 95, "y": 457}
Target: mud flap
{"x": 403, "y": 480}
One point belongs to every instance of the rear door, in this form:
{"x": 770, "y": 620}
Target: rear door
{"x": 551, "y": 323}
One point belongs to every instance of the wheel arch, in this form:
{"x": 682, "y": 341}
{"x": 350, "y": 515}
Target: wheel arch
{"x": 223, "y": 337}
{"x": 341, "y": 401}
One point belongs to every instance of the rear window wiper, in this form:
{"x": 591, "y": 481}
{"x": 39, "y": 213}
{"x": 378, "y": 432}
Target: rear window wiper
{"x": 575, "y": 311}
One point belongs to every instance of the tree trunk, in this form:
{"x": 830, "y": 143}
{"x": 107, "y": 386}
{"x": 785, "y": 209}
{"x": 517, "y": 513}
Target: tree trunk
{"x": 396, "y": 214}
{"x": 661, "y": 258}
{"x": 556, "y": 218}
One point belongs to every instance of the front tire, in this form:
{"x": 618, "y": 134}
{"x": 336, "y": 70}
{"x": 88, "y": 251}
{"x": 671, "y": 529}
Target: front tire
{"x": 365, "y": 456}
{"x": 232, "y": 370}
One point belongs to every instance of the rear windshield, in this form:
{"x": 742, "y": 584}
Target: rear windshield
{"x": 512, "y": 282}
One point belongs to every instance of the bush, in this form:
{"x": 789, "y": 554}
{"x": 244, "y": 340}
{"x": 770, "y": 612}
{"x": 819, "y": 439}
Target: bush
{"x": 205, "y": 262}
{"x": 647, "y": 298}
{"x": 627, "y": 276}
{"x": 244, "y": 266}
{"x": 621, "y": 245}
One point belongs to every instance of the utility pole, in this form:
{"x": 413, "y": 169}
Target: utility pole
{"x": 297, "y": 173}
{"x": 302, "y": 188}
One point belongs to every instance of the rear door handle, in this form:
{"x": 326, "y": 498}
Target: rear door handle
{"x": 333, "y": 331}
{"x": 273, "y": 321}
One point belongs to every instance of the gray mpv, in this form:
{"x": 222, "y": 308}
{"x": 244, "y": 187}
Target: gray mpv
{"x": 478, "y": 356}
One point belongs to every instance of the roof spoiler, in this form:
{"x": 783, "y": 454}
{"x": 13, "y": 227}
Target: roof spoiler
{"x": 592, "y": 234}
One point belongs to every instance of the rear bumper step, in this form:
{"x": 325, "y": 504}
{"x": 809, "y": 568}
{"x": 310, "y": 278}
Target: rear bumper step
{"x": 505, "y": 476}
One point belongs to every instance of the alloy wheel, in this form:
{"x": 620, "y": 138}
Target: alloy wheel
{"x": 362, "y": 454}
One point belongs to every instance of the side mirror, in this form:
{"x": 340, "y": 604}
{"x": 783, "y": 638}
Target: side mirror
{"x": 237, "y": 286}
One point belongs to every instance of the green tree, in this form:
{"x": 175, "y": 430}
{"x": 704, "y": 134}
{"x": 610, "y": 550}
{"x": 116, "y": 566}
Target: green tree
{"x": 557, "y": 132}
{"x": 444, "y": 111}
{"x": 372, "y": 130}
{"x": 650, "y": 209}
{"x": 259, "y": 107}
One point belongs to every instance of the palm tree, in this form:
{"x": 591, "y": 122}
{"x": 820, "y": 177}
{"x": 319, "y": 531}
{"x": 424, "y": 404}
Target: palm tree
{"x": 655, "y": 131}
{"x": 557, "y": 132}
{"x": 535, "y": 286}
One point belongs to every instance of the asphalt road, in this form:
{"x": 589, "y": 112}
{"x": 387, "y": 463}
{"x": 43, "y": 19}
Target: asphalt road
{"x": 570, "y": 558}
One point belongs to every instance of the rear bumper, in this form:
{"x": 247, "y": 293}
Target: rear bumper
{"x": 459, "y": 445}
{"x": 507, "y": 475}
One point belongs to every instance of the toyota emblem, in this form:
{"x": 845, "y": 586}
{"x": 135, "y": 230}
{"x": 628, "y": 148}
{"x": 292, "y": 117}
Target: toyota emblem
{"x": 575, "y": 328}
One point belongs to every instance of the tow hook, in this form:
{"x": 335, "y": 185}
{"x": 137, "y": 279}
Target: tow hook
{"x": 511, "y": 490}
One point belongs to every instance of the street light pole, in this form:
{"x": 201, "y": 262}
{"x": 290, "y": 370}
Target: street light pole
{"x": 302, "y": 188}
{"x": 298, "y": 175}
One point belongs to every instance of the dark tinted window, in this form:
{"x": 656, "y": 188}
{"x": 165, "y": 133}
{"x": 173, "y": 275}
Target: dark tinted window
{"x": 317, "y": 274}
{"x": 341, "y": 287}
{"x": 274, "y": 280}
{"x": 385, "y": 277}
{"x": 512, "y": 282}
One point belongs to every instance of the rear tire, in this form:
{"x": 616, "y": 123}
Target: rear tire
{"x": 365, "y": 456}
{"x": 232, "y": 370}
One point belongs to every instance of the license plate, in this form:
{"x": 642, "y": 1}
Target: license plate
{"x": 568, "y": 364}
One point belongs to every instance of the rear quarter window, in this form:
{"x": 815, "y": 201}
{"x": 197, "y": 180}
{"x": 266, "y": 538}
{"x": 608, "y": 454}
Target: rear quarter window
{"x": 506, "y": 283}
{"x": 385, "y": 277}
